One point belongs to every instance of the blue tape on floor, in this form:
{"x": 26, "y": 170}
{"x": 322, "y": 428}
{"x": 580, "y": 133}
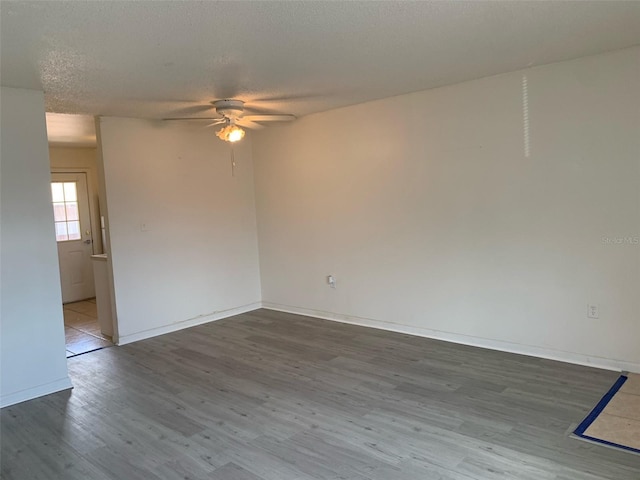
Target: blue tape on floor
{"x": 597, "y": 411}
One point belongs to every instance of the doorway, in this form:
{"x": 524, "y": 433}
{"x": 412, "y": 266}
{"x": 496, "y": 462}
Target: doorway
{"x": 74, "y": 238}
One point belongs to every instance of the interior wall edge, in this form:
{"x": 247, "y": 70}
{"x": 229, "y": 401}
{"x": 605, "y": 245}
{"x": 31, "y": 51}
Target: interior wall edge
{"x": 35, "y": 392}
{"x": 509, "y": 347}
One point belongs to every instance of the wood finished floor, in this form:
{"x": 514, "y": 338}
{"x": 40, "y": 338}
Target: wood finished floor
{"x": 274, "y": 396}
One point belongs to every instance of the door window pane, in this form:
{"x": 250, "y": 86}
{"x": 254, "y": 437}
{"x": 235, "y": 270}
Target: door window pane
{"x": 57, "y": 192}
{"x": 73, "y": 229}
{"x": 72, "y": 211}
{"x": 65, "y": 211}
{"x": 61, "y": 231}
{"x": 70, "y": 192}
{"x": 59, "y": 212}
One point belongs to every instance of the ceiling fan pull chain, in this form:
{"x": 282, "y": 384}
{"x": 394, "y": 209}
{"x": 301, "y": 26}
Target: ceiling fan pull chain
{"x": 233, "y": 163}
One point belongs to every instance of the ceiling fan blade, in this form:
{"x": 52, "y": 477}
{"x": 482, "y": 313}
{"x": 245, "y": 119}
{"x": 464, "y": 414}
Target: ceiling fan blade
{"x": 217, "y": 122}
{"x": 245, "y": 122}
{"x": 192, "y": 118}
{"x": 270, "y": 118}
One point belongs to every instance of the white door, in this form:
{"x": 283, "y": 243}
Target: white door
{"x": 73, "y": 234}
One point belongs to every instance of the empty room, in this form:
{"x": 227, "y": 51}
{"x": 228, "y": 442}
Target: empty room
{"x": 338, "y": 240}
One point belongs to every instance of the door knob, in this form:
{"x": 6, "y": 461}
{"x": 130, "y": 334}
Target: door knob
{"x": 88, "y": 242}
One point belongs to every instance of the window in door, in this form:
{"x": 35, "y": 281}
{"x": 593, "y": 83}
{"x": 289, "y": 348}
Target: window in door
{"x": 65, "y": 211}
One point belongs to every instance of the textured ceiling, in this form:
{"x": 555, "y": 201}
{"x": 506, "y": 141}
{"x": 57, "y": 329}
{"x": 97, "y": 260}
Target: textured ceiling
{"x": 159, "y": 59}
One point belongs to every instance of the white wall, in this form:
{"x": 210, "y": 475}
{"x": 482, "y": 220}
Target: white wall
{"x": 182, "y": 230}
{"x": 32, "y": 345}
{"x": 435, "y": 222}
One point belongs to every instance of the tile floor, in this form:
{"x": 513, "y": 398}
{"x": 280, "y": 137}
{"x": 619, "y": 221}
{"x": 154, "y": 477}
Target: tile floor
{"x": 619, "y": 422}
{"x": 81, "y": 328}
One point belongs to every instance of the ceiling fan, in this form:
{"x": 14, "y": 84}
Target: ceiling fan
{"x": 231, "y": 117}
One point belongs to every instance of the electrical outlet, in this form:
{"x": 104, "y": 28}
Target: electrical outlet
{"x": 593, "y": 311}
{"x": 331, "y": 281}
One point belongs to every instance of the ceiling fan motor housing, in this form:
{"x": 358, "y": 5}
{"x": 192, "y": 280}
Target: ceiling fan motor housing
{"x": 231, "y": 109}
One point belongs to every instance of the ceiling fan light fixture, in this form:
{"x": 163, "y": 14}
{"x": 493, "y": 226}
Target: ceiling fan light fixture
{"x": 230, "y": 133}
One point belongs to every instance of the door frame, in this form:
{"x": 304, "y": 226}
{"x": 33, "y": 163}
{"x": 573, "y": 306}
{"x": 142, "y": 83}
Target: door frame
{"x": 77, "y": 292}
{"x": 94, "y": 211}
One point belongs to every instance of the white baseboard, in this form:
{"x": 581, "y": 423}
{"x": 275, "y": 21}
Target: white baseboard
{"x": 530, "y": 350}
{"x": 35, "y": 392}
{"x": 192, "y": 322}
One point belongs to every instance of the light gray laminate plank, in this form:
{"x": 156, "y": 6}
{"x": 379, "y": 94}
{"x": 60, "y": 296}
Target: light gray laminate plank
{"x": 275, "y": 396}
{"x": 231, "y": 471}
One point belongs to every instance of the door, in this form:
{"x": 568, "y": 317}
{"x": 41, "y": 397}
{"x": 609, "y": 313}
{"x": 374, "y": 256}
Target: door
{"x": 73, "y": 235}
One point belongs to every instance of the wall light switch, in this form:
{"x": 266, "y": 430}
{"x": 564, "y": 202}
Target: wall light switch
{"x": 331, "y": 280}
{"x": 593, "y": 311}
